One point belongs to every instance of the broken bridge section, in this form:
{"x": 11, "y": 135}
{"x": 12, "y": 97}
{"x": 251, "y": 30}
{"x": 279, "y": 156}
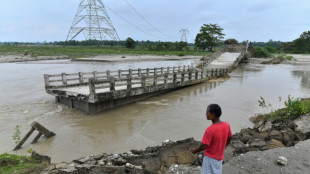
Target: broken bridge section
{"x": 227, "y": 57}
{"x": 93, "y": 92}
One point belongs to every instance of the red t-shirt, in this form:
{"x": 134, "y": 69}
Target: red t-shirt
{"x": 215, "y": 137}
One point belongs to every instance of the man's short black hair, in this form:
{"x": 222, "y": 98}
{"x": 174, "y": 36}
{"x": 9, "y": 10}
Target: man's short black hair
{"x": 215, "y": 109}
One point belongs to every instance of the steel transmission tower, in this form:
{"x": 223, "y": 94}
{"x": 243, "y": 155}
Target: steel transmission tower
{"x": 93, "y": 21}
{"x": 183, "y": 37}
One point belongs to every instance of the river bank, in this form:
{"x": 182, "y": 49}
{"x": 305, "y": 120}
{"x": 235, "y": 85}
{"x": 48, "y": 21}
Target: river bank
{"x": 252, "y": 150}
{"x": 9, "y": 58}
{"x": 99, "y": 58}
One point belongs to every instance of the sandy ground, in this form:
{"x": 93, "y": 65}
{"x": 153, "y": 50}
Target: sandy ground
{"x": 298, "y": 59}
{"x": 266, "y": 161}
{"x": 100, "y": 58}
{"x": 22, "y": 58}
{"x": 125, "y": 58}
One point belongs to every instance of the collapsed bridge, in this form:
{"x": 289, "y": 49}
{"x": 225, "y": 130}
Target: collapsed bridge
{"x": 93, "y": 92}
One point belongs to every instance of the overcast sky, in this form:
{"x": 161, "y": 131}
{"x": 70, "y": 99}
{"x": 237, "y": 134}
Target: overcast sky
{"x": 253, "y": 20}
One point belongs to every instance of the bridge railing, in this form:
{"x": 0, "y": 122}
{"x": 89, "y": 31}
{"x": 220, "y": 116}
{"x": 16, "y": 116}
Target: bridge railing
{"x": 213, "y": 57}
{"x": 129, "y": 82}
{"x": 109, "y": 81}
{"x": 82, "y": 78}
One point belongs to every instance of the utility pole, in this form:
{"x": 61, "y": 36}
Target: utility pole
{"x": 93, "y": 21}
{"x": 183, "y": 37}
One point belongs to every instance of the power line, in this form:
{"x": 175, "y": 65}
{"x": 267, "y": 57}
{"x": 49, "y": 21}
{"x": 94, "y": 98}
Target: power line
{"x": 148, "y": 21}
{"x": 129, "y": 22}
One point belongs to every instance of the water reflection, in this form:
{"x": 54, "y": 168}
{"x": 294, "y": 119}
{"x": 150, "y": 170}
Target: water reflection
{"x": 305, "y": 78}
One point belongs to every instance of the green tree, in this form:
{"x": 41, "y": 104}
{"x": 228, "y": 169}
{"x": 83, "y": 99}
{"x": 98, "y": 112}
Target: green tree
{"x": 168, "y": 46}
{"x": 210, "y": 36}
{"x": 159, "y": 46}
{"x": 270, "y": 49}
{"x": 130, "y": 43}
{"x": 180, "y": 45}
{"x": 299, "y": 45}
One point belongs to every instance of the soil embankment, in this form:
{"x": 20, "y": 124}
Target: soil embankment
{"x": 150, "y": 160}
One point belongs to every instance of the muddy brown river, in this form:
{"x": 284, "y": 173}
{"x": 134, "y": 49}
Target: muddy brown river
{"x": 175, "y": 115}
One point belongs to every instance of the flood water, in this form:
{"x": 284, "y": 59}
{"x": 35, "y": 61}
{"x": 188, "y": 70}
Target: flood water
{"x": 175, "y": 115}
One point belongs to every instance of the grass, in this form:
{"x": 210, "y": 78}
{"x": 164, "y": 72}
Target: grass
{"x": 294, "y": 109}
{"x": 88, "y": 51}
{"x": 18, "y": 164}
{"x": 283, "y": 57}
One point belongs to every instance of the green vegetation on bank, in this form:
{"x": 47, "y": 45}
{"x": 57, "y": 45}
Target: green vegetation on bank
{"x": 270, "y": 52}
{"x": 19, "y": 164}
{"x": 294, "y": 108}
{"x": 261, "y": 52}
{"x": 88, "y": 51}
{"x": 209, "y": 38}
{"x": 300, "y": 45}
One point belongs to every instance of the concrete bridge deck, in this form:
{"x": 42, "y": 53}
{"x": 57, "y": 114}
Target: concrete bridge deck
{"x": 225, "y": 60}
{"x": 105, "y": 90}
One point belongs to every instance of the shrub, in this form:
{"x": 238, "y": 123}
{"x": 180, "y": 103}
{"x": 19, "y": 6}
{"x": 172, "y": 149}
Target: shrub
{"x": 159, "y": 46}
{"x": 281, "y": 57}
{"x": 180, "y": 45}
{"x": 149, "y": 47}
{"x": 270, "y": 49}
{"x": 260, "y": 52}
{"x": 289, "y": 57}
{"x": 230, "y": 41}
{"x": 294, "y": 107}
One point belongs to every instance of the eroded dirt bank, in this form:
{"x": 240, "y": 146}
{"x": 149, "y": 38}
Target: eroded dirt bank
{"x": 156, "y": 159}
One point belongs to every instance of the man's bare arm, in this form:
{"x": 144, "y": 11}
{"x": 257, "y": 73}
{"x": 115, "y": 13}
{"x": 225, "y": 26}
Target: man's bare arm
{"x": 200, "y": 148}
{"x": 228, "y": 141}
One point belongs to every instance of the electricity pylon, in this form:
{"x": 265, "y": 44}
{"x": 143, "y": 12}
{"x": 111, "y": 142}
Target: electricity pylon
{"x": 93, "y": 21}
{"x": 183, "y": 37}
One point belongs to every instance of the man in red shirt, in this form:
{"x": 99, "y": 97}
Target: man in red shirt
{"x": 215, "y": 139}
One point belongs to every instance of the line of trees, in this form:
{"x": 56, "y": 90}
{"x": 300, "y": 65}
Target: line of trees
{"x": 299, "y": 45}
{"x": 120, "y": 43}
{"x": 209, "y": 37}
{"x": 128, "y": 43}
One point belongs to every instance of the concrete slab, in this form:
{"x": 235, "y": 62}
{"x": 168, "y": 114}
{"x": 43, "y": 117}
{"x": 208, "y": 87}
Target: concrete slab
{"x": 225, "y": 60}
